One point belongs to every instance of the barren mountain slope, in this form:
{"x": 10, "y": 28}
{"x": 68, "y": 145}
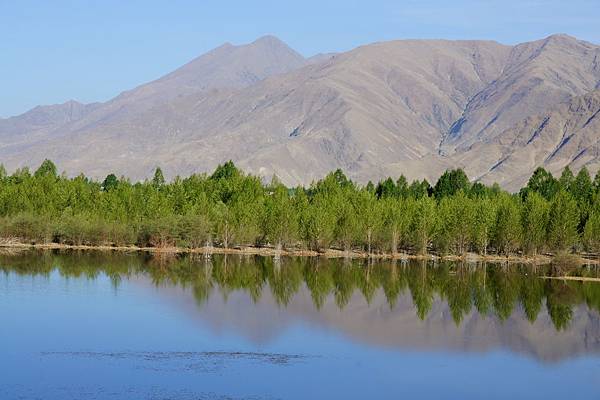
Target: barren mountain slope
{"x": 537, "y": 75}
{"x": 414, "y": 107}
{"x": 363, "y": 111}
{"x": 567, "y": 134}
{"x": 44, "y": 118}
{"x": 227, "y": 66}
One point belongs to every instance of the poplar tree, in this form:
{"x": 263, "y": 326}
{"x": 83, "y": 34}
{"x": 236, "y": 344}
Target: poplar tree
{"x": 47, "y": 168}
{"x": 535, "y": 222}
{"x": 424, "y": 223}
{"x": 484, "y": 217}
{"x": 110, "y": 182}
{"x": 582, "y": 188}
{"x": 591, "y": 233}
{"x": 542, "y": 182}
{"x": 507, "y": 230}
{"x": 397, "y": 214}
{"x": 566, "y": 179}
{"x": 461, "y": 216}
{"x": 369, "y": 211}
{"x": 451, "y": 182}
{"x": 279, "y": 222}
{"x": 563, "y": 221}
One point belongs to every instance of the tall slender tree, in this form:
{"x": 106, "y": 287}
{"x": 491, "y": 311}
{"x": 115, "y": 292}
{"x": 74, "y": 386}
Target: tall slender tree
{"x": 535, "y": 222}
{"x": 563, "y": 221}
{"x": 424, "y": 223}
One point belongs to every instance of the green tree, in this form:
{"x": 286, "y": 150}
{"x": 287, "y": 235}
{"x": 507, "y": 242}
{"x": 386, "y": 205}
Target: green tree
{"x": 507, "y": 232}
{"x": 386, "y": 188}
{"x": 158, "y": 180}
{"x": 424, "y": 223}
{"x": 591, "y": 232}
{"x": 566, "y": 179}
{"x": 402, "y": 187}
{"x": 280, "y": 222}
{"x": 563, "y": 221}
{"x": 451, "y": 182}
{"x": 317, "y": 223}
{"x": 47, "y": 168}
{"x": 419, "y": 189}
{"x": 582, "y": 188}
{"x": 597, "y": 182}
{"x": 226, "y": 171}
{"x": 456, "y": 217}
{"x": 347, "y": 223}
{"x": 543, "y": 183}
{"x": 194, "y": 230}
{"x": 535, "y": 222}
{"x": 368, "y": 210}
{"x": 478, "y": 189}
{"x": 223, "y": 221}
{"x": 110, "y": 182}
{"x": 484, "y": 217}
{"x": 397, "y": 214}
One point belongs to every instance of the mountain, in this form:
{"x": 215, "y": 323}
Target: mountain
{"x": 409, "y": 106}
{"x": 566, "y": 135}
{"x": 42, "y": 118}
{"x": 537, "y": 75}
{"x": 227, "y": 66}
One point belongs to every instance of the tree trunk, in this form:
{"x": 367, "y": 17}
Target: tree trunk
{"x": 278, "y": 250}
{"x": 208, "y": 249}
{"x": 226, "y": 236}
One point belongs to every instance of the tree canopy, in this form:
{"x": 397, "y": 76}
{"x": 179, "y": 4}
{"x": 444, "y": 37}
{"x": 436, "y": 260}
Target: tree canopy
{"x": 230, "y": 208}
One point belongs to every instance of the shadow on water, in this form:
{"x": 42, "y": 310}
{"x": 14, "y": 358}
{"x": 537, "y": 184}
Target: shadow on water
{"x": 489, "y": 289}
{"x": 336, "y": 323}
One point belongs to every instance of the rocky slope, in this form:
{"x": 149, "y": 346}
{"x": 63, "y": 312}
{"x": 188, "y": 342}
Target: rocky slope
{"x": 413, "y": 106}
{"x": 566, "y": 134}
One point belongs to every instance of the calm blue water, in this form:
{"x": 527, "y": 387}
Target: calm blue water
{"x": 130, "y": 327}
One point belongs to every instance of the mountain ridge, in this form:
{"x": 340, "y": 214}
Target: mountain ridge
{"x": 408, "y": 106}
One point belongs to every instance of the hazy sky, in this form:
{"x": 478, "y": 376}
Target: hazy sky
{"x": 53, "y": 51}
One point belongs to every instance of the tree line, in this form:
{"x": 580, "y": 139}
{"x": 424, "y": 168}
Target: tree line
{"x": 490, "y": 290}
{"x": 229, "y": 208}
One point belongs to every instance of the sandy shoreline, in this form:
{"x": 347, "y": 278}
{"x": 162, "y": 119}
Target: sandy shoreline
{"x": 271, "y": 252}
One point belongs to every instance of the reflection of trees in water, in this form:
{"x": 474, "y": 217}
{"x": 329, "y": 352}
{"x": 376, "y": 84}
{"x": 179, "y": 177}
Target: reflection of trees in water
{"x": 491, "y": 289}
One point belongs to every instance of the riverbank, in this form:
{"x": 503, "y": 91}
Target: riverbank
{"x": 329, "y": 253}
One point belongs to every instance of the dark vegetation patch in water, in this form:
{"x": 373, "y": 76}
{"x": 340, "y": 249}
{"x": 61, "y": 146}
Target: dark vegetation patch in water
{"x": 183, "y": 361}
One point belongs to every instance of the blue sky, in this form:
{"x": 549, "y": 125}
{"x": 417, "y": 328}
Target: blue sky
{"x": 53, "y": 51}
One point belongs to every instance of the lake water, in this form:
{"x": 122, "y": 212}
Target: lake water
{"x": 133, "y": 326}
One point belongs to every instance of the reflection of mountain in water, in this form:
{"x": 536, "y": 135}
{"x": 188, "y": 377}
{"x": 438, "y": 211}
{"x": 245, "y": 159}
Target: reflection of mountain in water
{"x": 398, "y": 327}
{"x": 447, "y": 306}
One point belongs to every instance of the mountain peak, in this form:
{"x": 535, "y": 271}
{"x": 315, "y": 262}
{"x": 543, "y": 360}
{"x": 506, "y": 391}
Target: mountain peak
{"x": 273, "y": 44}
{"x": 561, "y": 36}
{"x": 561, "y": 39}
{"x": 269, "y": 40}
